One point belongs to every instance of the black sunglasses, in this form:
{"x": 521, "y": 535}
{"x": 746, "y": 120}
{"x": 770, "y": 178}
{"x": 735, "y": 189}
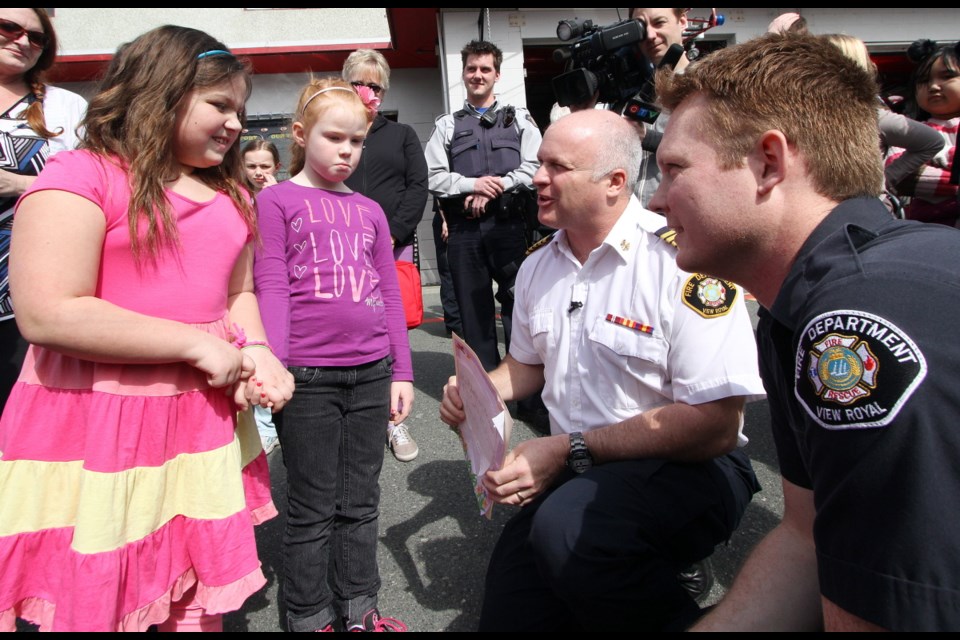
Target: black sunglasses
{"x": 373, "y": 86}
{"x": 14, "y": 31}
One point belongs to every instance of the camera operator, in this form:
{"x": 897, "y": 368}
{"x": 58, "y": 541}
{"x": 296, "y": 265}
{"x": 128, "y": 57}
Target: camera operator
{"x": 622, "y": 74}
{"x": 664, "y": 28}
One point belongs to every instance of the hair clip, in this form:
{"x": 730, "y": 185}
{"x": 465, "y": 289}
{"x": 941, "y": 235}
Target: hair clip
{"x": 214, "y": 52}
{"x": 368, "y": 96}
{"x": 920, "y": 50}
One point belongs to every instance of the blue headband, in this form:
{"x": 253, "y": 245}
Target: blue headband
{"x": 215, "y": 52}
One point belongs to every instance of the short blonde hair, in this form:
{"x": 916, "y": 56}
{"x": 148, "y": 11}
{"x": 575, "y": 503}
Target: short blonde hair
{"x": 853, "y": 48}
{"x": 356, "y": 61}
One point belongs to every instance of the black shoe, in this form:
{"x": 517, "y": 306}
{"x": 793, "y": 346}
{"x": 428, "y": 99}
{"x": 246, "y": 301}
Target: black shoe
{"x": 697, "y": 579}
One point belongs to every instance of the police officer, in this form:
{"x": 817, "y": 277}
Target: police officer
{"x": 481, "y": 162}
{"x": 771, "y": 178}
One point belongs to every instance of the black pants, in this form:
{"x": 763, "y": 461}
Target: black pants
{"x": 448, "y": 297}
{"x": 13, "y": 350}
{"x": 332, "y": 434}
{"x": 601, "y": 551}
{"x": 483, "y": 251}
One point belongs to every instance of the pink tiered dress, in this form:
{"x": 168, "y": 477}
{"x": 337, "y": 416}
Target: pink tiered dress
{"x": 124, "y": 486}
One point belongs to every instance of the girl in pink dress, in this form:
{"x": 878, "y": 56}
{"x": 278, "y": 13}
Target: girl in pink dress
{"x": 127, "y": 493}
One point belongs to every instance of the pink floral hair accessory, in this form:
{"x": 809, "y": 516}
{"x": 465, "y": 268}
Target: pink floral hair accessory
{"x": 369, "y": 99}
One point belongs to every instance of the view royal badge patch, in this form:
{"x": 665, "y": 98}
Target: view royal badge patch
{"x": 856, "y": 370}
{"x": 709, "y": 296}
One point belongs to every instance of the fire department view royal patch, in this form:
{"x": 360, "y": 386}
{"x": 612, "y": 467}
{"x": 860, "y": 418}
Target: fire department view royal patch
{"x": 709, "y": 296}
{"x": 856, "y": 370}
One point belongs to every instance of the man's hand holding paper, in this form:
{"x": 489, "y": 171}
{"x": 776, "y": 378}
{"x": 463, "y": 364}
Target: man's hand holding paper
{"x": 472, "y": 403}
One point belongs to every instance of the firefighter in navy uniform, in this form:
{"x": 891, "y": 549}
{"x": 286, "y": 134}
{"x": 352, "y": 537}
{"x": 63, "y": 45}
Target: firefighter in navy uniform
{"x": 481, "y": 162}
{"x": 857, "y": 339}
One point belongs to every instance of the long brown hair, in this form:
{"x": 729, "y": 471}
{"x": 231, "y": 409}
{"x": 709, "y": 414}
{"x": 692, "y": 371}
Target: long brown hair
{"x": 34, "y": 78}
{"x": 132, "y": 118}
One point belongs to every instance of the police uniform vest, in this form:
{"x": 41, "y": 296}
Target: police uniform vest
{"x": 485, "y": 146}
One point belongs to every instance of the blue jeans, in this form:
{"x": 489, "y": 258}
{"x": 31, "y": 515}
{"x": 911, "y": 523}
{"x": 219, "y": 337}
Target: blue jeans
{"x": 264, "y": 419}
{"x": 332, "y": 437}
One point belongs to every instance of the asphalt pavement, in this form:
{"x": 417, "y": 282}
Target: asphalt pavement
{"x": 434, "y": 545}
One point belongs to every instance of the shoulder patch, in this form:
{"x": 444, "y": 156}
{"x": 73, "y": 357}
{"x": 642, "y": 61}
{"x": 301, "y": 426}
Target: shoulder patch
{"x": 539, "y": 244}
{"x": 710, "y": 297}
{"x": 668, "y": 235}
{"x": 856, "y": 370}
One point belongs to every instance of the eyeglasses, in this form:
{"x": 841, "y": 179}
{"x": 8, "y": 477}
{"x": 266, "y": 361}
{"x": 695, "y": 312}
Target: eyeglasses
{"x": 373, "y": 86}
{"x": 14, "y": 31}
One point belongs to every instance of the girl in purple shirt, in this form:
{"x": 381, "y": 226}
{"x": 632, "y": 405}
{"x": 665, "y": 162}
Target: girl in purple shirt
{"x": 326, "y": 279}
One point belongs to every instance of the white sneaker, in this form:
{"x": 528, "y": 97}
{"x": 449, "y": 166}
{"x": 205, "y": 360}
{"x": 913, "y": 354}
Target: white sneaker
{"x": 269, "y": 443}
{"x": 403, "y": 446}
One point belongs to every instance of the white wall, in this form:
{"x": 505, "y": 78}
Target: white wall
{"x": 99, "y": 31}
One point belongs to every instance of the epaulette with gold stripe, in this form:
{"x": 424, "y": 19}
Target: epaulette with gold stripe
{"x": 539, "y": 244}
{"x": 668, "y": 235}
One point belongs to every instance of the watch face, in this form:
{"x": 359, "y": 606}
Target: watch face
{"x": 581, "y": 463}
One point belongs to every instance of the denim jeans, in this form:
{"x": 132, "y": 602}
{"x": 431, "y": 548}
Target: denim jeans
{"x": 264, "y": 419}
{"x": 332, "y": 437}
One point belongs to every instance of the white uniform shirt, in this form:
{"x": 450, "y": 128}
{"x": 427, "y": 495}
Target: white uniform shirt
{"x": 600, "y": 372}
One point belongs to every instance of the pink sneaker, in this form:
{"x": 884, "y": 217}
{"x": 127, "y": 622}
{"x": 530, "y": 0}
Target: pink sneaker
{"x": 373, "y": 623}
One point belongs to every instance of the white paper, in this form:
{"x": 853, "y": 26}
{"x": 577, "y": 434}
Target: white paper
{"x": 486, "y": 430}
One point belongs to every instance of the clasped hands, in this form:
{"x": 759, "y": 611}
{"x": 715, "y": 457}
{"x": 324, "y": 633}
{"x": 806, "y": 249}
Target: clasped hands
{"x": 485, "y": 189}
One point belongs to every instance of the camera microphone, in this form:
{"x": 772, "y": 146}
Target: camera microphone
{"x": 574, "y": 305}
{"x": 640, "y": 108}
{"x": 671, "y": 57}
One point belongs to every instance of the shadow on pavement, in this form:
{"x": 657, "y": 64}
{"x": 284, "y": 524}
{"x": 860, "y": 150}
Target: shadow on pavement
{"x": 434, "y": 568}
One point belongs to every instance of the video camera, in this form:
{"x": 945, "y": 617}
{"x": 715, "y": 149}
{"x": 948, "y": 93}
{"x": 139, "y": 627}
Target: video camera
{"x": 604, "y": 61}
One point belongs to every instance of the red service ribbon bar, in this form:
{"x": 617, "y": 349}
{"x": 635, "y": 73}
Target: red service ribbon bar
{"x": 630, "y": 324}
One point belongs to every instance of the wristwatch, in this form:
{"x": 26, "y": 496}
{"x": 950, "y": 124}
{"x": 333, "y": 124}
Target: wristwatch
{"x": 579, "y": 459}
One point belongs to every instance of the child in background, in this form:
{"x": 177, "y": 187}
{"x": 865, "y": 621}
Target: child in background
{"x": 937, "y": 86}
{"x": 261, "y": 162}
{"x": 327, "y": 282}
{"x": 917, "y": 142}
{"x": 129, "y": 496}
